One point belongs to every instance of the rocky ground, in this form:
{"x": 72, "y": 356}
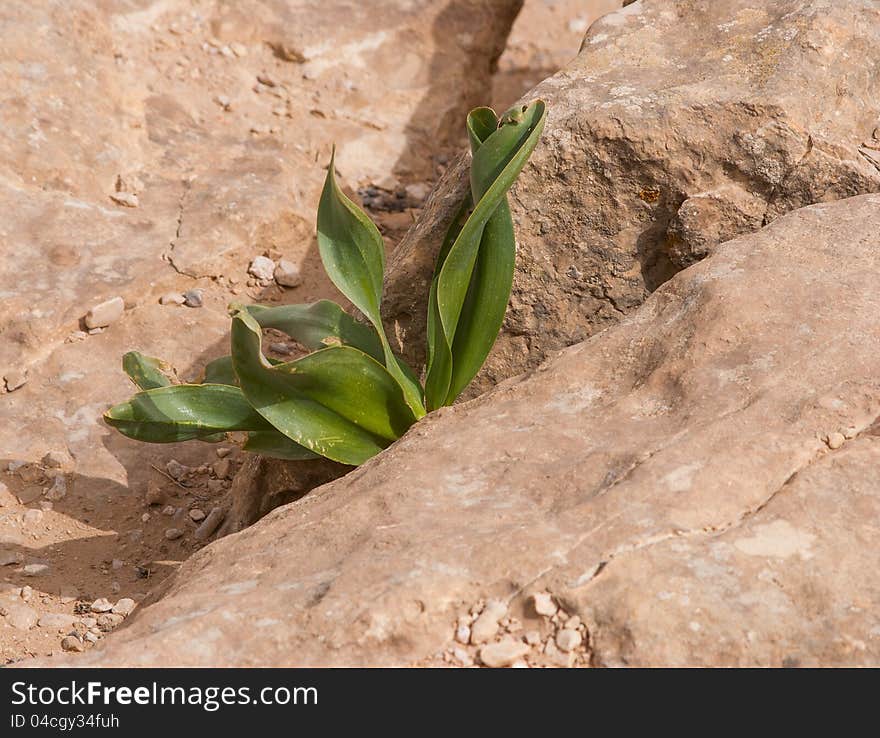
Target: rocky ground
{"x": 149, "y": 157}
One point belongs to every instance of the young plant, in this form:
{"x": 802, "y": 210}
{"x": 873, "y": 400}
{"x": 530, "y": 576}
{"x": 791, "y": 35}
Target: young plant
{"x": 352, "y": 396}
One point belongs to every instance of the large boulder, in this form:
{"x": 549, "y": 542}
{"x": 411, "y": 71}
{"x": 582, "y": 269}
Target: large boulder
{"x": 697, "y": 485}
{"x": 680, "y": 124}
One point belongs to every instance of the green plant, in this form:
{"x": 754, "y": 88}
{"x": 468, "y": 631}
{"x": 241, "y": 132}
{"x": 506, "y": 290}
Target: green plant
{"x": 351, "y": 397}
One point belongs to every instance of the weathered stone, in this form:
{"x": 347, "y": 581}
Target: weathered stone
{"x": 20, "y": 616}
{"x": 665, "y": 480}
{"x": 57, "y": 620}
{"x": 287, "y": 274}
{"x": 503, "y": 653}
{"x": 105, "y": 313}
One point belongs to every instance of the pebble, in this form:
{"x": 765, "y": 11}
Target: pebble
{"x": 568, "y": 640}
{"x": 26, "y": 593}
{"x": 89, "y": 622}
{"x": 109, "y": 620}
{"x": 193, "y": 298}
{"x": 14, "y": 379}
{"x": 54, "y": 459}
{"x": 544, "y": 604}
{"x": 45, "y": 505}
{"x": 145, "y": 517}
{"x": 58, "y": 491}
{"x": 176, "y": 469}
{"x": 105, "y": 313}
{"x": 172, "y": 298}
{"x": 503, "y": 653}
{"x": 154, "y": 494}
{"x": 91, "y": 637}
{"x": 462, "y": 656}
{"x": 224, "y": 451}
{"x": 102, "y": 604}
{"x": 126, "y": 199}
{"x": 19, "y": 616}
{"x": 486, "y": 625}
{"x": 124, "y": 607}
{"x": 33, "y": 517}
{"x": 835, "y": 440}
{"x": 57, "y": 620}
{"x": 417, "y": 192}
{"x": 35, "y": 570}
{"x": 169, "y": 510}
{"x": 532, "y": 637}
{"x": 281, "y": 348}
{"x": 463, "y": 633}
{"x": 210, "y": 524}
{"x": 287, "y": 274}
{"x": 6, "y": 498}
{"x": 221, "y": 468}
{"x": 72, "y": 643}
{"x": 173, "y": 533}
{"x": 196, "y": 515}
{"x": 116, "y": 564}
{"x": 262, "y": 268}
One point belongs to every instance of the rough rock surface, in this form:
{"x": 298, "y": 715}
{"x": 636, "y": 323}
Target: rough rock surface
{"x": 681, "y": 124}
{"x": 667, "y": 482}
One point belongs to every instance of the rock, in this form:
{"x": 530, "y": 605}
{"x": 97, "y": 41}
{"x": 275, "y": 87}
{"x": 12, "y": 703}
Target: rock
{"x": 287, "y": 274}
{"x": 221, "y": 468}
{"x": 55, "y": 459}
{"x": 124, "y": 607}
{"x": 263, "y": 268}
{"x": 503, "y": 653}
{"x": 57, "y": 620}
{"x": 8, "y": 557}
{"x": 172, "y": 298}
{"x": 544, "y": 604}
{"x": 463, "y": 633}
{"x": 89, "y": 622}
{"x": 568, "y": 640}
{"x": 210, "y": 524}
{"x": 176, "y": 469}
{"x": 105, "y": 313}
{"x": 91, "y": 637}
{"x": 35, "y": 570}
{"x": 109, "y": 620}
{"x": 68, "y": 594}
{"x": 102, "y": 604}
{"x": 72, "y": 643}
{"x": 486, "y": 626}
{"x": 14, "y": 379}
{"x": 169, "y": 510}
{"x": 154, "y": 494}
{"x": 193, "y": 298}
{"x": 20, "y": 616}
{"x": 674, "y": 454}
{"x": 30, "y": 493}
{"x": 196, "y": 515}
{"x": 7, "y": 499}
{"x": 32, "y": 518}
{"x": 58, "y": 490}
{"x": 172, "y": 534}
{"x": 835, "y": 440}
{"x": 668, "y": 149}
{"x": 127, "y": 199}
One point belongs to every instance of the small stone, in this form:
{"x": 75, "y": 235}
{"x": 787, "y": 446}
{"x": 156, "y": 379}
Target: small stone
{"x": 221, "y": 468}
{"x": 544, "y": 604}
{"x": 116, "y": 564}
{"x": 45, "y": 505}
{"x": 30, "y": 473}
{"x": 463, "y": 633}
{"x": 105, "y": 313}
{"x": 573, "y": 623}
{"x": 568, "y": 640}
{"x": 33, "y": 517}
{"x": 224, "y": 451}
{"x": 26, "y": 593}
{"x": 417, "y": 192}
{"x": 126, "y": 199}
{"x": 210, "y": 524}
{"x": 193, "y": 298}
{"x": 281, "y": 348}
{"x": 14, "y": 379}
{"x": 503, "y": 653}
{"x": 58, "y": 491}
{"x": 54, "y": 459}
{"x": 109, "y": 620}
{"x": 154, "y": 494}
{"x": 215, "y": 485}
{"x": 124, "y": 607}
{"x": 486, "y": 625}
{"x": 287, "y": 274}
{"x": 835, "y": 440}
{"x": 172, "y": 298}
{"x": 197, "y": 515}
{"x": 72, "y": 643}
{"x": 91, "y": 637}
{"x": 6, "y": 497}
{"x": 850, "y": 432}
{"x": 89, "y": 622}
{"x": 169, "y": 510}
{"x": 532, "y": 637}
{"x": 265, "y": 79}
{"x": 57, "y": 620}
{"x": 145, "y": 518}
{"x": 20, "y": 616}
{"x": 263, "y": 268}
{"x": 35, "y": 570}
{"x": 176, "y": 469}
{"x": 173, "y": 534}
{"x": 462, "y": 656}
{"x": 102, "y": 604}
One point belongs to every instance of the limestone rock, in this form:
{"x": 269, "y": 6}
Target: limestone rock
{"x": 667, "y": 480}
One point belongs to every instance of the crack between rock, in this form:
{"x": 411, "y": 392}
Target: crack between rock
{"x": 771, "y": 196}
{"x": 168, "y": 255}
{"x": 870, "y": 158}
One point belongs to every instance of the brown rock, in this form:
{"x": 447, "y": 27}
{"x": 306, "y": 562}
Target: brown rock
{"x": 666, "y": 480}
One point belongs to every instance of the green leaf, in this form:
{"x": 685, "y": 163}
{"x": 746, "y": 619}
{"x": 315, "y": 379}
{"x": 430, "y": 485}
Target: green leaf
{"x": 353, "y": 254}
{"x": 220, "y": 371}
{"x": 184, "y": 412}
{"x": 273, "y": 443}
{"x": 338, "y": 402}
{"x": 319, "y": 325}
{"x": 475, "y": 276}
{"x": 145, "y": 371}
